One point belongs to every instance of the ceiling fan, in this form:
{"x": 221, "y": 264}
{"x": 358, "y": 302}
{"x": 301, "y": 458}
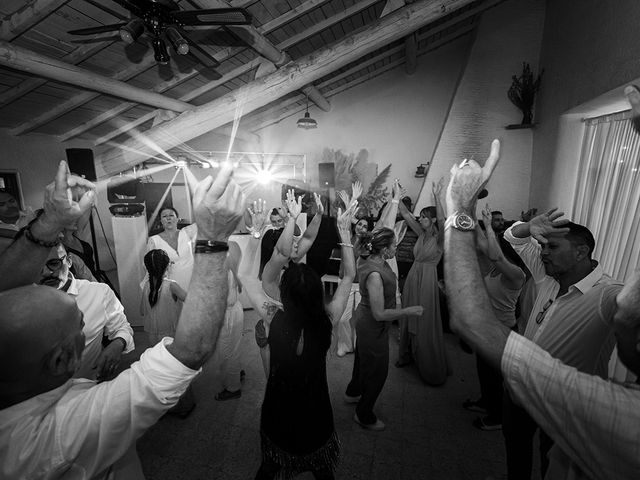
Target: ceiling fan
{"x": 163, "y": 21}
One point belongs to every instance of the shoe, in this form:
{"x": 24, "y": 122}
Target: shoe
{"x": 350, "y": 399}
{"x": 378, "y": 426}
{"x": 473, "y": 406}
{"x": 228, "y": 395}
{"x": 484, "y": 423}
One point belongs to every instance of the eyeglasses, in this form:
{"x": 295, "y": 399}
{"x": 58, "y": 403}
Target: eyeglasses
{"x": 541, "y": 314}
{"x": 55, "y": 263}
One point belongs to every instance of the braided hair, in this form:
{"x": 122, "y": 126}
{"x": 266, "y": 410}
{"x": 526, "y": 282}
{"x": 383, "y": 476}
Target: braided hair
{"x": 156, "y": 261}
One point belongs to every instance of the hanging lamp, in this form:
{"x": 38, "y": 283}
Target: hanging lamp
{"x": 307, "y": 122}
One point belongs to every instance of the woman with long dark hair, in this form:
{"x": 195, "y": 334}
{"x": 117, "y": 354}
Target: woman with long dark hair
{"x": 296, "y": 428}
{"x": 159, "y": 303}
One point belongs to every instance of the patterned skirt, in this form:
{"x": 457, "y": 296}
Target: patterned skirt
{"x": 324, "y": 458}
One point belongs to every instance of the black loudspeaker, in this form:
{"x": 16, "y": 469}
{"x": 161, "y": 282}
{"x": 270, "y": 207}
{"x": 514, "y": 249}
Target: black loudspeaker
{"x": 326, "y": 175}
{"x": 81, "y": 163}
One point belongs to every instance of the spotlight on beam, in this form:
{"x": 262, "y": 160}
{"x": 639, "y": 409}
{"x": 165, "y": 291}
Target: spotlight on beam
{"x": 160, "y": 51}
{"x": 132, "y": 31}
{"x": 178, "y": 42}
{"x": 264, "y": 176}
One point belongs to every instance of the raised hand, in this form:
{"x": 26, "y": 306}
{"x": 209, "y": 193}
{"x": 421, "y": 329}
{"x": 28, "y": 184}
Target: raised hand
{"x": 548, "y": 223}
{"x": 396, "y": 190}
{"x": 218, "y": 205}
{"x": 66, "y": 200}
{"x": 320, "y": 207}
{"x": 294, "y": 207}
{"x": 258, "y": 212}
{"x": 356, "y": 189}
{"x": 437, "y": 188}
{"x": 467, "y": 179}
{"x": 344, "y": 196}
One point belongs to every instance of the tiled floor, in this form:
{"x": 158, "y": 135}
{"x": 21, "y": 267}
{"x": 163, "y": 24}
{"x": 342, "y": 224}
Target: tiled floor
{"x": 428, "y": 435}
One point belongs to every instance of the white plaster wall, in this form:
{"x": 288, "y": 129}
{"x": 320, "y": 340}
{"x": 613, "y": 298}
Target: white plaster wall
{"x": 590, "y": 47}
{"x": 396, "y": 117}
{"x": 508, "y": 35}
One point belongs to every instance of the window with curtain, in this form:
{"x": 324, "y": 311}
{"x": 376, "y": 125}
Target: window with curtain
{"x": 607, "y": 198}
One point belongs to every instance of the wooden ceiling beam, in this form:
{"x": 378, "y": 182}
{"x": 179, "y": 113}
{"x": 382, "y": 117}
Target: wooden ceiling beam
{"x": 291, "y": 77}
{"x": 316, "y": 97}
{"x": 33, "y": 12}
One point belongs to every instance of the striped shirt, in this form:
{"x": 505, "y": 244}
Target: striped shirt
{"x": 593, "y": 422}
{"x": 576, "y": 326}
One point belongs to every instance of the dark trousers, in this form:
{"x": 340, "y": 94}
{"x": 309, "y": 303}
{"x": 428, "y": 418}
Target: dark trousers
{"x": 490, "y": 389}
{"x": 518, "y": 429}
{"x": 370, "y": 369}
{"x": 268, "y": 470}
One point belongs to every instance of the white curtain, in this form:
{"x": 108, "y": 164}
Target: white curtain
{"x": 607, "y": 198}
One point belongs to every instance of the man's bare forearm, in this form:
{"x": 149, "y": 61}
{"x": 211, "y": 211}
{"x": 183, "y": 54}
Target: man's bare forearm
{"x": 472, "y": 316}
{"x": 203, "y": 311}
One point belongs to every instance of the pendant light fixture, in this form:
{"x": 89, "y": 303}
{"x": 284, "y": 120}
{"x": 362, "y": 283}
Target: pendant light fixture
{"x": 307, "y": 122}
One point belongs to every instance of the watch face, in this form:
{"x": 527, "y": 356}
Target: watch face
{"x": 464, "y": 222}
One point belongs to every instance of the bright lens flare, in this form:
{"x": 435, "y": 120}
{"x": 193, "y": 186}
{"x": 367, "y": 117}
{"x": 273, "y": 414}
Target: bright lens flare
{"x": 264, "y": 176}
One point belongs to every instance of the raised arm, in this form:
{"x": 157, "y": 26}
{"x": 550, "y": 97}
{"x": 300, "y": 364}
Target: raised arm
{"x": 255, "y": 217}
{"x": 66, "y": 200}
{"x": 283, "y": 249}
{"x": 218, "y": 207}
{"x": 472, "y": 316}
{"x": 513, "y": 277}
{"x": 310, "y": 234}
{"x": 408, "y": 217}
{"x": 338, "y": 303}
{"x": 440, "y": 216}
{"x": 390, "y": 211}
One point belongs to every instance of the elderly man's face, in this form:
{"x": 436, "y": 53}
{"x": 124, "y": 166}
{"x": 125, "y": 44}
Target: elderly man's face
{"x": 56, "y": 269}
{"x": 626, "y": 324}
{"x": 9, "y": 208}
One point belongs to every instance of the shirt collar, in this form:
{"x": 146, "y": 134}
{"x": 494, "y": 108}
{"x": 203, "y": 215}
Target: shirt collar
{"x": 588, "y": 282}
{"x": 73, "y": 288}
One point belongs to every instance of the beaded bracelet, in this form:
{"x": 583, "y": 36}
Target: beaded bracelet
{"x": 345, "y": 245}
{"x": 29, "y": 236}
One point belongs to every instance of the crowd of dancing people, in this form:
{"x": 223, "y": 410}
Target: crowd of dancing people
{"x": 526, "y": 297}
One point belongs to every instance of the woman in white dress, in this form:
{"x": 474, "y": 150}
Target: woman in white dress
{"x": 178, "y": 244}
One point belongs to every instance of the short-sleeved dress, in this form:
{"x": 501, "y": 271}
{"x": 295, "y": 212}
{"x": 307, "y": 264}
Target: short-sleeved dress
{"x": 297, "y": 427}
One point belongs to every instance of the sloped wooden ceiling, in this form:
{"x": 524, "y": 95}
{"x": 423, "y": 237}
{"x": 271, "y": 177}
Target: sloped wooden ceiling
{"x": 105, "y": 92}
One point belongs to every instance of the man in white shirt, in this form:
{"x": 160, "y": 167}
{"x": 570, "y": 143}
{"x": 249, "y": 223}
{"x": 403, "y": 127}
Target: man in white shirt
{"x": 593, "y": 422}
{"x": 53, "y": 426}
{"x": 103, "y": 315}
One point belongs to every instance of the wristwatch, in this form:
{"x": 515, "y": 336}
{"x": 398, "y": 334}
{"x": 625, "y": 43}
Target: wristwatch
{"x": 461, "y": 221}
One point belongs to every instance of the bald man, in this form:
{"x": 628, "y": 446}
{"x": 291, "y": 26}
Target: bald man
{"x": 55, "y": 426}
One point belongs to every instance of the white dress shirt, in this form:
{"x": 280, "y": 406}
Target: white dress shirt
{"x": 103, "y": 315}
{"x": 594, "y": 423}
{"x": 81, "y": 429}
{"x": 575, "y": 327}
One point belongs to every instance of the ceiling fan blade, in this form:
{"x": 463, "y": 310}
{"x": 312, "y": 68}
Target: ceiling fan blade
{"x": 101, "y": 29}
{"x": 214, "y": 16}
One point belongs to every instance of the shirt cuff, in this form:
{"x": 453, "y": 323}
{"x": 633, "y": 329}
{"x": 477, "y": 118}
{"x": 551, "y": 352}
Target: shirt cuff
{"x": 508, "y": 236}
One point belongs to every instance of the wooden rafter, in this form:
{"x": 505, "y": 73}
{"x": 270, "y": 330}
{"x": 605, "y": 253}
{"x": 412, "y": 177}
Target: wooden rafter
{"x": 274, "y": 57}
{"x": 33, "y": 12}
{"x": 286, "y": 80}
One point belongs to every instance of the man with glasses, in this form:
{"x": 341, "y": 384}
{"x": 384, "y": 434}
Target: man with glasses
{"x": 103, "y": 315}
{"x": 571, "y": 318}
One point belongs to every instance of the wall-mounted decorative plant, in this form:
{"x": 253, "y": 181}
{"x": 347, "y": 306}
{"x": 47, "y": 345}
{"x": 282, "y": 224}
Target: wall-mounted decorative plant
{"x": 522, "y": 92}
